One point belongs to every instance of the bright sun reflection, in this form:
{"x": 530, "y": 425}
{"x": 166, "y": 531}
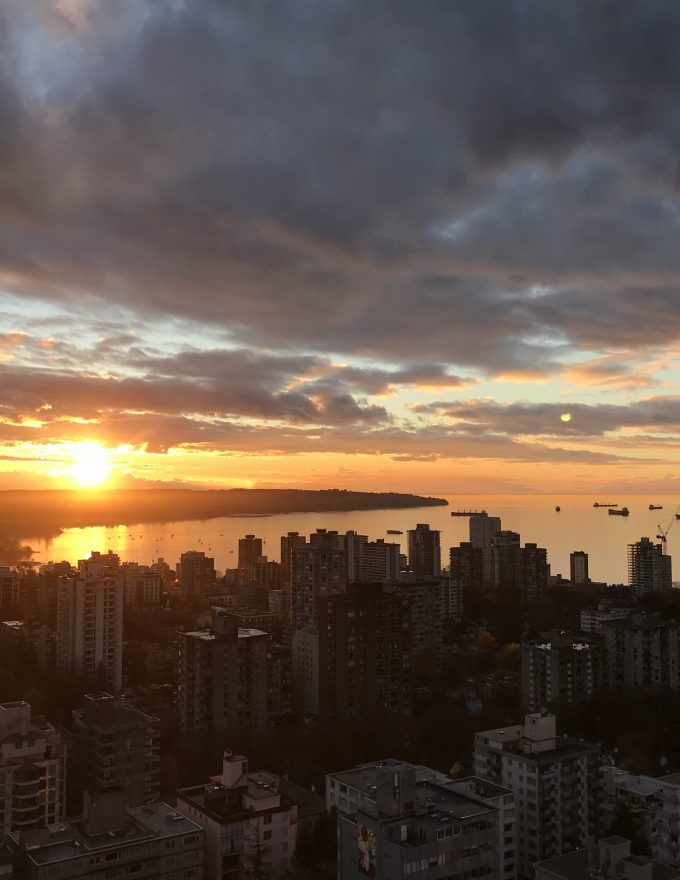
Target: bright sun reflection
{"x": 91, "y": 465}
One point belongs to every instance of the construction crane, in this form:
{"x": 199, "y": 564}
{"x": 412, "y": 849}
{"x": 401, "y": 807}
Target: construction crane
{"x": 663, "y": 533}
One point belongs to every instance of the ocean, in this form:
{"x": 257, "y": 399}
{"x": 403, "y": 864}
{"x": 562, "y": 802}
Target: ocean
{"x": 577, "y": 526}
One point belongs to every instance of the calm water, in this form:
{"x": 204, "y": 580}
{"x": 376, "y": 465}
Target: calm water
{"x": 578, "y": 526}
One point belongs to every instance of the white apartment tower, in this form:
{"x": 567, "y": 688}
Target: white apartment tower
{"x": 90, "y": 627}
{"x": 555, "y": 780}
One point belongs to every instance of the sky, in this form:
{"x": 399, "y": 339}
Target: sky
{"x": 428, "y": 247}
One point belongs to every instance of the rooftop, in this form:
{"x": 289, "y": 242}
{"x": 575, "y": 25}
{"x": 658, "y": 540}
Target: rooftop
{"x": 57, "y": 843}
{"x": 210, "y": 635}
{"x": 579, "y": 865}
{"x": 363, "y": 776}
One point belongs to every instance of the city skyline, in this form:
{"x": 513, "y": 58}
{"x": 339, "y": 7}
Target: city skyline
{"x": 422, "y": 249}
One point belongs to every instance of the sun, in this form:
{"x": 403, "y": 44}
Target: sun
{"x": 91, "y": 466}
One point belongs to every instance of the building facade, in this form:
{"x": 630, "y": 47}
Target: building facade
{"x": 424, "y": 551}
{"x": 90, "y": 627}
{"x": 33, "y": 759}
{"x": 649, "y": 568}
{"x": 561, "y": 669}
{"x": 642, "y": 651}
{"x": 245, "y": 816}
{"x": 556, "y": 782}
{"x": 364, "y": 655}
{"x": 380, "y": 562}
{"x": 153, "y": 842}
{"x": 113, "y": 746}
{"x": 222, "y": 681}
{"x": 425, "y": 825}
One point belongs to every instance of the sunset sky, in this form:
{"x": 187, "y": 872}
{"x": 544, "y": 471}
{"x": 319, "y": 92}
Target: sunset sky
{"x": 422, "y": 246}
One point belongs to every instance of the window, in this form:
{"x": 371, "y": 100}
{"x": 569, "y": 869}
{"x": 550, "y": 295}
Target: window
{"x": 267, "y": 835}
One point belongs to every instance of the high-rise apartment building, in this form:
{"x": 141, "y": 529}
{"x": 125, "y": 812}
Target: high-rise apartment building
{"x": 196, "y": 575}
{"x": 649, "y": 568}
{"x": 642, "y": 651}
{"x": 578, "y": 567}
{"x": 429, "y": 603}
{"x": 413, "y": 821}
{"x": 483, "y": 530}
{"x": 245, "y": 817}
{"x": 556, "y": 782}
{"x": 364, "y": 655}
{"x": 380, "y": 562}
{"x": 32, "y": 769}
{"x": 424, "y": 551}
{"x": 318, "y": 569}
{"x": 113, "y": 746}
{"x": 249, "y": 551}
{"x": 467, "y": 568}
{"x": 522, "y": 571}
{"x": 9, "y": 587}
{"x": 353, "y": 545}
{"x": 222, "y": 682}
{"x": 142, "y": 585}
{"x": 90, "y": 627}
{"x": 507, "y": 560}
{"x": 561, "y": 669}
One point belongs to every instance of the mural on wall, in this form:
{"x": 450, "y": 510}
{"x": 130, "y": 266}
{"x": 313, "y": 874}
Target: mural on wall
{"x": 366, "y": 844}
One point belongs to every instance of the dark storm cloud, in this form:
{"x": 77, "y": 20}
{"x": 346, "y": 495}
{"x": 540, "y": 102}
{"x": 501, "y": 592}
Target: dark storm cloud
{"x": 391, "y": 179}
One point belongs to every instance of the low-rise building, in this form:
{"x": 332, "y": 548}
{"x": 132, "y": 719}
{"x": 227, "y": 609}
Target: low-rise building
{"x": 414, "y": 821}
{"x": 246, "y": 818}
{"x": 153, "y": 842}
{"x": 608, "y": 859}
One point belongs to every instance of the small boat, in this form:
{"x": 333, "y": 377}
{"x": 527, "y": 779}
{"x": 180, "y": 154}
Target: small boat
{"x": 623, "y": 512}
{"x": 677, "y": 515}
{"x": 557, "y": 509}
{"x": 656, "y": 506}
{"x": 604, "y": 504}
{"x": 394, "y": 532}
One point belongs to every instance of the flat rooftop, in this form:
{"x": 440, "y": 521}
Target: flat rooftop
{"x": 58, "y": 843}
{"x": 363, "y": 777}
{"x": 575, "y": 865}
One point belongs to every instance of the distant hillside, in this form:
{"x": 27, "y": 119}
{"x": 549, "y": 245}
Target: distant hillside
{"x": 47, "y": 512}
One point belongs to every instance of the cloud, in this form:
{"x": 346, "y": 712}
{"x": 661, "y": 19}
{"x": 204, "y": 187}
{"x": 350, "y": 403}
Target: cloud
{"x": 229, "y": 164}
{"x": 655, "y": 414}
{"x": 231, "y": 226}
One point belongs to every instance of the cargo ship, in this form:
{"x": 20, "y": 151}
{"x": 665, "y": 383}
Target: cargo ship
{"x": 656, "y": 506}
{"x": 604, "y": 504}
{"x": 394, "y": 532}
{"x": 623, "y": 512}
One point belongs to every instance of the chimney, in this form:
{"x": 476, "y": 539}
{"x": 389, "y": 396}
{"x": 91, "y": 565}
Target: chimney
{"x": 234, "y": 770}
